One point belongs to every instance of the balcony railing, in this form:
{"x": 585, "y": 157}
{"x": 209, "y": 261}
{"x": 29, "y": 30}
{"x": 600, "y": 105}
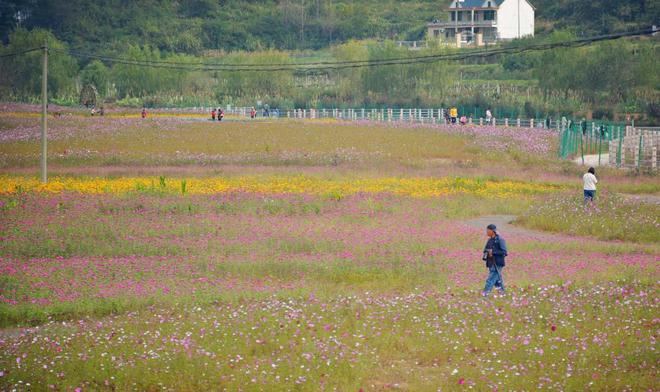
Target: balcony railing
{"x": 464, "y": 23}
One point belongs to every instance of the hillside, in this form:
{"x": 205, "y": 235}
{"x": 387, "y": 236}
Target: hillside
{"x": 198, "y": 25}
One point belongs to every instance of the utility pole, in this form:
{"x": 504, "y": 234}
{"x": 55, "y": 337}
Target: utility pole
{"x": 518, "y": 19}
{"x": 44, "y": 114}
{"x": 302, "y": 23}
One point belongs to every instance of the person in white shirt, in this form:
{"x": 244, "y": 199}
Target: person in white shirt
{"x": 590, "y": 182}
{"x": 489, "y": 116}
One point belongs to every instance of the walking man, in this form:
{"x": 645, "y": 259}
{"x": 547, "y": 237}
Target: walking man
{"x": 494, "y": 254}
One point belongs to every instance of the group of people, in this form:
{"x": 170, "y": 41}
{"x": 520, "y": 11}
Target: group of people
{"x": 220, "y": 114}
{"x": 451, "y": 116}
{"x": 266, "y": 112}
{"x": 217, "y": 113}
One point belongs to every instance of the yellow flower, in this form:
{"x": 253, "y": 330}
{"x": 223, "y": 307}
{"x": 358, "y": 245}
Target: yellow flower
{"x": 414, "y": 187}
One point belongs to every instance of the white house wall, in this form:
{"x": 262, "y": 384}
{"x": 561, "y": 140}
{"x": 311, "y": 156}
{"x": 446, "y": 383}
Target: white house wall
{"x": 507, "y": 19}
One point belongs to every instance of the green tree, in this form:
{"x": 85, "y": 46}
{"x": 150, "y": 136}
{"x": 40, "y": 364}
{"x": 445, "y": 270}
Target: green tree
{"x": 263, "y": 85}
{"x": 96, "y": 74}
{"x": 21, "y": 75}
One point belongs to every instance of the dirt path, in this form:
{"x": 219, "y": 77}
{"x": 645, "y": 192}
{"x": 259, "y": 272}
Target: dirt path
{"x": 505, "y": 228}
{"x": 592, "y": 160}
{"x": 644, "y": 198}
{"x": 503, "y": 223}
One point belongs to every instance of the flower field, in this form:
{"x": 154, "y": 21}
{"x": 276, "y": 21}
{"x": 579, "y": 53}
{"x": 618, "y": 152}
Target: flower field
{"x": 95, "y": 141}
{"x": 352, "y": 265}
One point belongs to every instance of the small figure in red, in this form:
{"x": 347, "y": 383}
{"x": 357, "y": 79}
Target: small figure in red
{"x": 144, "y": 112}
{"x": 213, "y": 114}
{"x": 253, "y": 113}
{"x": 221, "y": 114}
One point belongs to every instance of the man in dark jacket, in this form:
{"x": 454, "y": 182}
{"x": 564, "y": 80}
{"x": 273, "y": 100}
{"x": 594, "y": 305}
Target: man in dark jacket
{"x": 494, "y": 254}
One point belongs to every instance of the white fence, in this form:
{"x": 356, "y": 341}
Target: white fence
{"x": 411, "y": 115}
{"x": 423, "y": 116}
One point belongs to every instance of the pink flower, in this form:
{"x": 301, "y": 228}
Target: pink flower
{"x": 554, "y": 327}
{"x": 461, "y": 381}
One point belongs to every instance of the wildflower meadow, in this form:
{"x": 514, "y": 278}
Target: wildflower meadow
{"x": 176, "y": 253}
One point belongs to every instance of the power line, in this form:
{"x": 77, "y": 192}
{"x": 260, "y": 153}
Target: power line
{"x": 338, "y": 65}
{"x": 20, "y": 53}
{"x": 332, "y": 64}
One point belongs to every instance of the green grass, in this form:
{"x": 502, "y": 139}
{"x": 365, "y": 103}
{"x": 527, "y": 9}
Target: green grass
{"x": 609, "y": 218}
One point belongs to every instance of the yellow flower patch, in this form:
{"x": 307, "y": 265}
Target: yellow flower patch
{"x": 414, "y": 187}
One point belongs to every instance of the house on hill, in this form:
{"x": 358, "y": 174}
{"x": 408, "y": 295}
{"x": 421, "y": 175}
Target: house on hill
{"x": 477, "y": 22}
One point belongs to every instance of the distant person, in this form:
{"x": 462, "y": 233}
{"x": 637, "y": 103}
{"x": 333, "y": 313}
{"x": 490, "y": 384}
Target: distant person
{"x": 583, "y": 124}
{"x": 144, "y": 112}
{"x": 445, "y": 114}
{"x": 253, "y": 113}
{"x": 463, "y": 120}
{"x": 213, "y": 112}
{"x": 494, "y": 255}
{"x": 590, "y": 182}
{"x": 101, "y": 111}
{"x": 453, "y": 113}
{"x": 221, "y": 114}
{"x": 489, "y": 116}
{"x": 93, "y": 111}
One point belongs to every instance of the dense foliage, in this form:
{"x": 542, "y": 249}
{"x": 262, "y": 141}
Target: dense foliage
{"x": 606, "y": 80}
{"x": 195, "y": 25}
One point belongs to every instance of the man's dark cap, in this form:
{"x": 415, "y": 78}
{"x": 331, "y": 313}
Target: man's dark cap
{"x": 491, "y": 227}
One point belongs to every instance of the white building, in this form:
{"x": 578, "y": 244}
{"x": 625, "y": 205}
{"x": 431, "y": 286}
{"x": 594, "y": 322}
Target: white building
{"x": 475, "y": 22}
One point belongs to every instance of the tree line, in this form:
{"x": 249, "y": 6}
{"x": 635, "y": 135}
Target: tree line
{"x": 196, "y": 26}
{"x": 609, "y": 78}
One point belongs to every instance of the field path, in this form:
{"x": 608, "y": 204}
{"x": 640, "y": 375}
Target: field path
{"x": 592, "y": 160}
{"x": 643, "y": 198}
{"x": 503, "y": 223}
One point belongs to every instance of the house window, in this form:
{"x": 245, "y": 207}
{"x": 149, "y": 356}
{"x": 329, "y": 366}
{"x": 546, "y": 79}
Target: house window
{"x": 436, "y": 33}
{"x": 455, "y": 15}
{"x": 489, "y": 4}
{"x": 489, "y": 15}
